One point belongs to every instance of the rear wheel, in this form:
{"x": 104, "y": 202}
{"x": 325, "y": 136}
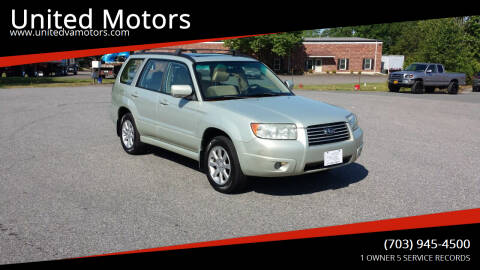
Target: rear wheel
{"x": 453, "y": 88}
{"x": 222, "y": 166}
{"x": 417, "y": 87}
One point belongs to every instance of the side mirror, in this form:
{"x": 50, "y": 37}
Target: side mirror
{"x": 289, "y": 84}
{"x": 181, "y": 91}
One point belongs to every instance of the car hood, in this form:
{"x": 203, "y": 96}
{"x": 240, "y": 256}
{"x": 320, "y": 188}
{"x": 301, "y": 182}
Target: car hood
{"x": 283, "y": 109}
{"x": 407, "y": 72}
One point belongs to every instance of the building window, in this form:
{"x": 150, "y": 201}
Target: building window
{"x": 276, "y": 64}
{"x": 309, "y": 64}
{"x": 342, "y": 64}
{"x": 367, "y": 63}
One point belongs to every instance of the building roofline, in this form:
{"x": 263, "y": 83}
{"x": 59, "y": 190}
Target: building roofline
{"x": 341, "y": 39}
{"x": 325, "y": 39}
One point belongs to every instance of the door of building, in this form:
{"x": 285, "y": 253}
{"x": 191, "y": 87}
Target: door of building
{"x": 318, "y": 65}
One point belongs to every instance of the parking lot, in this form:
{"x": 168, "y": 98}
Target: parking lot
{"x": 68, "y": 189}
{"x": 320, "y": 79}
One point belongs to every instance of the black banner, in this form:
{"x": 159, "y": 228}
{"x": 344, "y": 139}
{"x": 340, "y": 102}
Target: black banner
{"x": 451, "y": 245}
{"x": 31, "y": 30}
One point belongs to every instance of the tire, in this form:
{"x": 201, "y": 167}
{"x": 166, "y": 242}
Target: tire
{"x": 417, "y": 88}
{"x": 222, "y": 166}
{"x": 393, "y": 88}
{"x": 429, "y": 89}
{"x": 452, "y": 88}
{"x": 129, "y": 136}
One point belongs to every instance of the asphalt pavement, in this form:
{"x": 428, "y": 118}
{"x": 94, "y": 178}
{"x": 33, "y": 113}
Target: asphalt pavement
{"x": 67, "y": 188}
{"x": 322, "y": 79}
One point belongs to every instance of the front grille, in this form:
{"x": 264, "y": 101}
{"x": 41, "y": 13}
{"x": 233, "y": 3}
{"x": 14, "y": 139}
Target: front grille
{"x": 327, "y": 133}
{"x": 396, "y": 76}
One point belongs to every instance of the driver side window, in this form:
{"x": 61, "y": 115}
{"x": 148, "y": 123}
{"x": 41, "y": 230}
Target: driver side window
{"x": 178, "y": 74}
{"x": 433, "y": 68}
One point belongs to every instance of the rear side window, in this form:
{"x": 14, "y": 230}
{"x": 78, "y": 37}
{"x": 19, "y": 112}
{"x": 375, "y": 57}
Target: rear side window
{"x": 130, "y": 70}
{"x": 440, "y": 68}
{"x": 152, "y": 75}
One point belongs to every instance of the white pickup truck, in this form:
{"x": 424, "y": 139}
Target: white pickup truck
{"x": 424, "y": 78}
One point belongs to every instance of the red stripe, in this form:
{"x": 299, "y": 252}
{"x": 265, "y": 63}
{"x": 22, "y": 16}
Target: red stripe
{"x": 425, "y": 221}
{"x": 45, "y": 57}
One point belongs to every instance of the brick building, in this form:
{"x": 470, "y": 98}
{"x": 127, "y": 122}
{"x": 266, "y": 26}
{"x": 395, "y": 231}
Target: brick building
{"x": 319, "y": 55}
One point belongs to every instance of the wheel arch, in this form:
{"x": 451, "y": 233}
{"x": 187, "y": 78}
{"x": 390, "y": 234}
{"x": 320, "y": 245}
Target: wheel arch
{"x": 121, "y": 112}
{"x": 208, "y": 134}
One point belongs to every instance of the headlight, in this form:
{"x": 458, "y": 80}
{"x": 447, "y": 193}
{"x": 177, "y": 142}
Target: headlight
{"x": 353, "y": 121}
{"x": 408, "y": 76}
{"x": 275, "y": 131}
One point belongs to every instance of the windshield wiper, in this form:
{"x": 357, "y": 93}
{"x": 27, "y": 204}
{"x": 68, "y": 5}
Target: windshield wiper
{"x": 226, "y": 97}
{"x": 268, "y": 95}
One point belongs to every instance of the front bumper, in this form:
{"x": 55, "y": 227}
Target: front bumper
{"x": 402, "y": 82}
{"x": 258, "y": 157}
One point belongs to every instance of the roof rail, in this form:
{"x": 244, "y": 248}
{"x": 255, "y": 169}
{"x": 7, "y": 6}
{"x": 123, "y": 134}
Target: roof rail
{"x": 228, "y": 51}
{"x": 219, "y": 51}
{"x": 180, "y": 52}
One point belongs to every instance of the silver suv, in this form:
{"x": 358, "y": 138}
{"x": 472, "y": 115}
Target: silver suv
{"x": 232, "y": 114}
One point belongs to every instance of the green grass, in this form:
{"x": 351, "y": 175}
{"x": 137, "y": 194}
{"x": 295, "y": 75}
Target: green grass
{"x": 20, "y": 82}
{"x": 345, "y": 87}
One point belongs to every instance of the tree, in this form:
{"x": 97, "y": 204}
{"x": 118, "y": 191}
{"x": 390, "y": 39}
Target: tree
{"x": 312, "y": 33}
{"x": 339, "y": 32}
{"x": 446, "y": 41}
{"x": 454, "y": 42}
{"x": 472, "y": 28}
{"x": 262, "y": 46}
{"x": 388, "y": 33}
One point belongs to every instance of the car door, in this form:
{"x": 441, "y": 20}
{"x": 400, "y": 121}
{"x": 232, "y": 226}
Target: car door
{"x": 179, "y": 116}
{"x": 126, "y": 90}
{"x": 430, "y": 75}
{"x": 146, "y": 95}
{"x": 442, "y": 79}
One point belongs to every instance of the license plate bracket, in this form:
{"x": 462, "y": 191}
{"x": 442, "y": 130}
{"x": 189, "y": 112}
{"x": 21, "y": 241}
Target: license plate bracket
{"x": 333, "y": 157}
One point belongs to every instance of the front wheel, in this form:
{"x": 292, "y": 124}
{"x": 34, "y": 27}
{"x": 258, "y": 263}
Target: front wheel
{"x": 222, "y": 166}
{"x": 417, "y": 88}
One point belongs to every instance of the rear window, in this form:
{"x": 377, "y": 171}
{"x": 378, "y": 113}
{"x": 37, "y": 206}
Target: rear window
{"x": 130, "y": 70}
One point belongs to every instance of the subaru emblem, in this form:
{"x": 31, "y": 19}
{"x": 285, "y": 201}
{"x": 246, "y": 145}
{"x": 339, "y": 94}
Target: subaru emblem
{"x": 330, "y": 131}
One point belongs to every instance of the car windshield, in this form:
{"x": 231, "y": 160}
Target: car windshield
{"x": 416, "y": 67}
{"x": 232, "y": 80}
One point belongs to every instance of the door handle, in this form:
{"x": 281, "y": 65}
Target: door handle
{"x": 135, "y": 95}
{"x": 163, "y": 102}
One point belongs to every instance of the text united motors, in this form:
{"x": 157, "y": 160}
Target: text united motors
{"x": 23, "y": 20}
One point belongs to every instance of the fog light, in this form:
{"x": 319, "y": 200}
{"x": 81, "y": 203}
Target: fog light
{"x": 359, "y": 150}
{"x": 278, "y": 165}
